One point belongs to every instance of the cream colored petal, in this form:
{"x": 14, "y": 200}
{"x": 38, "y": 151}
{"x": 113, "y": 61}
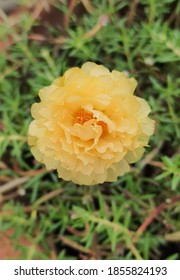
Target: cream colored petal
{"x": 64, "y": 146}
{"x": 76, "y": 177}
{"x": 70, "y": 73}
{"x": 86, "y": 131}
{"x": 37, "y": 154}
{"x": 45, "y": 112}
{"x": 35, "y": 110}
{"x": 59, "y": 82}
{"x": 99, "y": 178}
{"x": 116, "y": 75}
{"x": 128, "y": 125}
{"x": 109, "y": 143}
{"x": 100, "y": 117}
{"x": 95, "y": 70}
{"x": 35, "y": 130}
{"x": 45, "y": 92}
{"x": 103, "y": 99}
{"x": 133, "y": 84}
{"x": 104, "y": 145}
{"x": 64, "y": 173}
{"x": 50, "y": 163}
{"x": 111, "y": 175}
{"x": 32, "y": 140}
{"x": 122, "y": 79}
{"x": 130, "y": 106}
{"x": 67, "y": 133}
{"x": 143, "y": 140}
{"x": 126, "y": 140}
{"x": 74, "y": 82}
{"x": 88, "y": 66}
{"x": 147, "y": 126}
{"x": 86, "y": 159}
{"x": 120, "y": 168}
{"x": 57, "y": 96}
{"x": 122, "y": 84}
{"x": 144, "y": 109}
{"x": 135, "y": 155}
{"x": 100, "y": 166}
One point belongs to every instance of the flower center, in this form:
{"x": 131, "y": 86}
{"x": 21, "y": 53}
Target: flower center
{"x": 82, "y": 116}
{"x": 104, "y": 127}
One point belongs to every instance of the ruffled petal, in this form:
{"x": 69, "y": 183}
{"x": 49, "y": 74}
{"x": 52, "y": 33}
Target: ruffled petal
{"x": 89, "y": 126}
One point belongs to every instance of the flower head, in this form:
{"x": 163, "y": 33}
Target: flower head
{"x": 89, "y": 125}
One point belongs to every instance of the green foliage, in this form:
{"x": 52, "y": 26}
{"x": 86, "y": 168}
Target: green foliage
{"x": 99, "y": 222}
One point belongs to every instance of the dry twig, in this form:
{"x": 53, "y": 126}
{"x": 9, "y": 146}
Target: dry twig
{"x": 154, "y": 214}
{"x": 75, "y": 245}
{"x": 13, "y": 184}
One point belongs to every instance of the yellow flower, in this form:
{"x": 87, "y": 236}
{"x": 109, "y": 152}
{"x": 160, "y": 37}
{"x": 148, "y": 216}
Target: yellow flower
{"x": 89, "y": 125}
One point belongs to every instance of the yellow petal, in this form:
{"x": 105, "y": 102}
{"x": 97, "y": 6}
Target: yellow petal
{"x": 95, "y": 70}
